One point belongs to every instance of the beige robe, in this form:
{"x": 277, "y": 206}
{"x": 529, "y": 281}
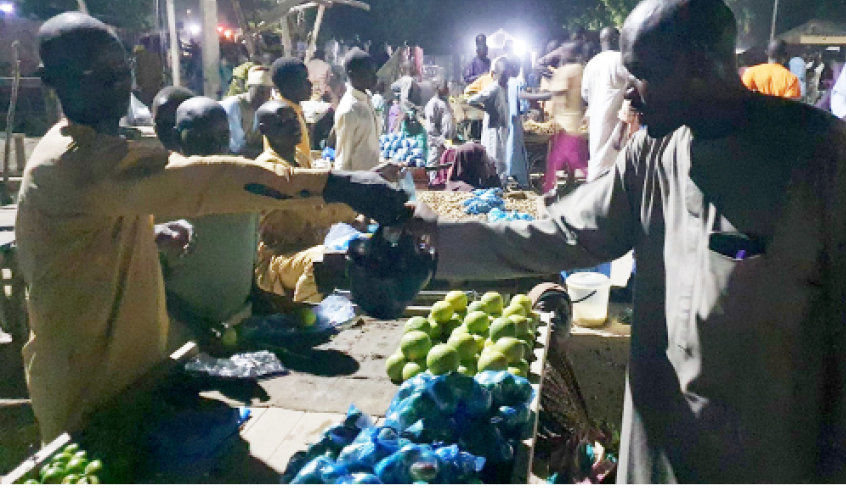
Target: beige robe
{"x": 86, "y": 248}
{"x": 737, "y": 369}
{"x": 290, "y": 240}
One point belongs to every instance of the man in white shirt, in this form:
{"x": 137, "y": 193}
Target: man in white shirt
{"x": 244, "y": 136}
{"x": 356, "y": 124}
{"x": 440, "y": 124}
{"x": 603, "y": 88}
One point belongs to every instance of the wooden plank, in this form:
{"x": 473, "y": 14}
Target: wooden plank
{"x": 255, "y": 414}
{"x": 305, "y": 432}
{"x": 524, "y": 454}
{"x": 35, "y": 462}
{"x": 270, "y": 430}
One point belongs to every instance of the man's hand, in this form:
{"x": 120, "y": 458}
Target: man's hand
{"x": 176, "y": 238}
{"x": 367, "y": 193}
{"x": 389, "y": 171}
{"x": 424, "y": 223}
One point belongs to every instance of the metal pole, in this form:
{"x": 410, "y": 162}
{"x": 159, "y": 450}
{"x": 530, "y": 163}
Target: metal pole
{"x": 10, "y": 125}
{"x": 775, "y": 14}
{"x": 312, "y": 47}
{"x": 174, "y": 44}
{"x": 245, "y": 28}
{"x": 211, "y": 49}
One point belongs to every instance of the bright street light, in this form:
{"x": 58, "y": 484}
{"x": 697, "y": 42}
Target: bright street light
{"x": 194, "y": 29}
{"x": 7, "y": 8}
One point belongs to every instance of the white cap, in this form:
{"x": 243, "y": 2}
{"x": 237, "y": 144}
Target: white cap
{"x": 259, "y": 75}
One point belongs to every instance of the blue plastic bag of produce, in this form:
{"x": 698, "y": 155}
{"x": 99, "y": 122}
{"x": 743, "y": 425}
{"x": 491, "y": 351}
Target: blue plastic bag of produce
{"x": 409, "y": 387}
{"x": 441, "y": 392}
{"x": 485, "y": 440}
{"x": 434, "y": 430}
{"x": 295, "y": 464}
{"x": 396, "y": 469}
{"x": 505, "y": 388}
{"x": 410, "y": 410}
{"x": 312, "y": 472}
{"x": 457, "y": 467}
{"x": 328, "y": 154}
{"x": 512, "y": 420}
{"x": 472, "y": 399}
{"x": 358, "y": 478}
{"x": 371, "y": 446}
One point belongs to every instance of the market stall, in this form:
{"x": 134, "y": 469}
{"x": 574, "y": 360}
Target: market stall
{"x": 188, "y": 429}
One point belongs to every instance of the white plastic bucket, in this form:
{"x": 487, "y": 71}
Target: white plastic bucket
{"x": 589, "y": 293}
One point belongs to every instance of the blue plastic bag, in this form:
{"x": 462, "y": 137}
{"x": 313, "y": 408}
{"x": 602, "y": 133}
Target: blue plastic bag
{"x": 358, "y": 478}
{"x": 312, "y": 472}
{"x": 410, "y": 410}
{"x": 371, "y": 446}
{"x": 458, "y": 467}
{"x": 395, "y": 469}
{"x": 506, "y": 389}
{"x": 512, "y": 420}
{"x": 413, "y": 385}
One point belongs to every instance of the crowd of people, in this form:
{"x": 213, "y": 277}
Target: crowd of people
{"x": 733, "y": 201}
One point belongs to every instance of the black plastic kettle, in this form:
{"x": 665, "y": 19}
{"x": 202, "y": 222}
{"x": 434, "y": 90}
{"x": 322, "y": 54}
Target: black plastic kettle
{"x": 388, "y": 270}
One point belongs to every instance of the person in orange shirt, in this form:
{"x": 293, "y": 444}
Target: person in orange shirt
{"x": 773, "y": 78}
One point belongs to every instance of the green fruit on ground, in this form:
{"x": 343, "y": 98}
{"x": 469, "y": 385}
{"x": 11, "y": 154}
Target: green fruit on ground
{"x": 442, "y": 359}
{"x": 71, "y": 448}
{"x": 81, "y": 454}
{"x": 31, "y": 481}
{"x": 415, "y": 345}
{"x": 393, "y": 366}
{"x": 501, "y": 327}
{"x": 53, "y": 476}
{"x": 517, "y": 372}
{"x": 418, "y": 323}
{"x": 436, "y": 331}
{"x": 467, "y": 369}
{"x": 522, "y": 365}
{"x": 89, "y": 480}
{"x": 492, "y": 360}
{"x": 306, "y": 317}
{"x": 477, "y": 322}
{"x": 465, "y": 345}
{"x": 523, "y": 301}
{"x": 476, "y": 305}
{"x": 458, "y": 299}
{"x": 76, "y": 466}
{"x": 521, "y": 325}
{"x": 411, "y": 369}
{"x": 511, "y": 348}
{"x": 442, "y": 311}
{"x": 71, "y": 479}
{"x": 451, "y": 325}
{"x": 514, "y": 310}
{"x": 93, "y": 468}
{"x": 493, "y": 303}
{"x": 488, "y": 343}
{"x": 480, "y": 342}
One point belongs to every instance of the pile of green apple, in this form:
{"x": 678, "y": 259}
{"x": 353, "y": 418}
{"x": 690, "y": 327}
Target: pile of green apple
{"x": 467, "y": 338}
